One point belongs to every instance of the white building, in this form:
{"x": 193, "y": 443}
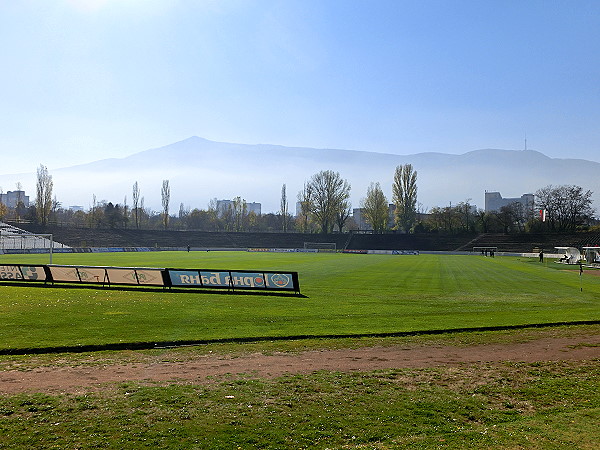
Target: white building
{"x": 254, "y": 207}
{"x": 13, "y": 198}
{"x": 224, "y": 205}
{"x": 494, "y": 201}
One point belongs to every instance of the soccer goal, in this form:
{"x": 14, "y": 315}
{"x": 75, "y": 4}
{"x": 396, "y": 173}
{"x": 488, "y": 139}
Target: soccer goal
{"x": 321, "y": 246}
{"x": 485, "y": 251}
{"x": 27, "y": 243}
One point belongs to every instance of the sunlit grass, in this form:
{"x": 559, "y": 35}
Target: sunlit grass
{"x": 512, "y": 405}
{"x": 342, "y": 295}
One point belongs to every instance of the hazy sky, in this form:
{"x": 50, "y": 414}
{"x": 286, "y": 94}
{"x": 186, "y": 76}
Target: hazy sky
{"x": 83, "y": 80}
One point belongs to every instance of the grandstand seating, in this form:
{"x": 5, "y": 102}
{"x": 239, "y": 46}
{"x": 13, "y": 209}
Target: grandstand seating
{"x": 528, "y": 242}
{"x": 89, "y": 237}
{"x": 398, "y": 241}
{"x": 12, "y": 237}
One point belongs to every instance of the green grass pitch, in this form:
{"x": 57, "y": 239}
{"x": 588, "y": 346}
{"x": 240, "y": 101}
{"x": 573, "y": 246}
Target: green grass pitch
{"x": 545, "y": 404}
{"x": 343, "y": 294}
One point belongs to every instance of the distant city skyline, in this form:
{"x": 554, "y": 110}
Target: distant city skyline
{"x": 85, "y": 80}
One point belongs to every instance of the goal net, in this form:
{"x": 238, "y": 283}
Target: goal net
{"x": 321, "y": 246}
{"x": 15, "y": 240}
{"x": 485, "y": 250}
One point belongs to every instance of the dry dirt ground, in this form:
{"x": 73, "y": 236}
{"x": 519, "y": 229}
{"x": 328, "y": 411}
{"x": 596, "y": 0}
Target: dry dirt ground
{"x": 56, "y": 375}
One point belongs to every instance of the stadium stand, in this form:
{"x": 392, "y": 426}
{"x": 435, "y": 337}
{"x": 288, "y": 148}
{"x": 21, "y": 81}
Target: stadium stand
{"x": 527, "y": 242}
{"x": 521, "y": 243}
{"x": 12, "y": 237}
{"x": 397, "y": 241}
{"x": 88, "y": 237}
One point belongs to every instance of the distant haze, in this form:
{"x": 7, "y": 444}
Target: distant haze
{"x": 199, "y": 170}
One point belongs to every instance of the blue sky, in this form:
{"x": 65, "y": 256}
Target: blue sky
{"x": 91, "y": 79}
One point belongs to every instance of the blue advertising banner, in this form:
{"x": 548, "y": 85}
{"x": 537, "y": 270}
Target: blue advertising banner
{"x": 233, "y": 279}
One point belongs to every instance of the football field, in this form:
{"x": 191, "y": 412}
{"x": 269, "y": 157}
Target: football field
{"x": 334, "y": 367}
{"x": 342, "y": 295}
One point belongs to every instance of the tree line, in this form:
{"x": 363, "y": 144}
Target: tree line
{"x": 323, "y": 206}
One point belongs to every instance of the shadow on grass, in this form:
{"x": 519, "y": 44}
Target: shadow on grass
{"x": 244, "y": 340}
{"x": 156, "y": 289}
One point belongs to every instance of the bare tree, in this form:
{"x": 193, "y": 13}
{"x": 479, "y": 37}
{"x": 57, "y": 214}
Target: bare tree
{"x": 125, "y": 212}
{"x": 343, "y": 213}
{"x": 213, "y": 215}
{"x": 136, "y": 204}
{"x": 404, "y": 196}
{"x": 328, "y": 193}
{"x": 446, "y": 219}
{"x": 43, "y": 200}
{"x": 304, "y": 200}
{"x": 183, "y": 212}
{"x": 239, "y": 213}
{"x": 506, "y": 217}
{"x": 142, "y": 212}
{"x": 466, "y": 215}
{"x": 19, "y": 205}
{"x": 567, "y": 206}
{"x": 283, "y": 209}
{"x": 56, "y": 205}
{"x": 93, "y": 217}
{"x": 484, "y": 219}
{"x": 375, "y": 208}
{"x": 166, "y": 198}
{"x": 3, "y": 208}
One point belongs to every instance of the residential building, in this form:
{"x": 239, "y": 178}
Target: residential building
{"x": 13, "y": 198}
{"x": 494, "y": 201}
{"x": 224, "y": 205}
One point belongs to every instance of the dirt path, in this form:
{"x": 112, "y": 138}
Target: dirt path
{"x": 197, "y": 369}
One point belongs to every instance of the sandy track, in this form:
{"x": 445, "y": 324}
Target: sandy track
{"x": 198, "y": 369}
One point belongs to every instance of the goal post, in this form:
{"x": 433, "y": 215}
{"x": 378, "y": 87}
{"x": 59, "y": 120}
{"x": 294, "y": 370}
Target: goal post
{"x": 27, "y": 243}
{"x": 485, "y": 250}
{"x": 321, "y": 246}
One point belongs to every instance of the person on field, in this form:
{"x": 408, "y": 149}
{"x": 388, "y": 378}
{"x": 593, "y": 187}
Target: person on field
{"x": 541, "y": 256}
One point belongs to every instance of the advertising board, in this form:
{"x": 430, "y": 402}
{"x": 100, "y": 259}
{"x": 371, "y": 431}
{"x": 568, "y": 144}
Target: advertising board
{"x": 232, "y": 279}
{"x": 22, "y": 273}
{"x": 92, "y": 274}
{"x": 183, "y": 278}
{"x": 106, "y": 275}
{"x": 145, "y": 277}
{"x": 70, "y": 274}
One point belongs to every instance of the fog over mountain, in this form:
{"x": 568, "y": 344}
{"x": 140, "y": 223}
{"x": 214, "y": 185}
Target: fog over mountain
{"x": 199, "y": 170}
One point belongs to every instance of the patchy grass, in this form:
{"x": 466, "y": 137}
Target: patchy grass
{"x": 542, "y": 405}
{"x": 293, "y": 346}
{"x": 516, "y": 405}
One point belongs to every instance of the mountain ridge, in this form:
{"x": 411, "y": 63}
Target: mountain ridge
{"x": 199, "y": 170}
